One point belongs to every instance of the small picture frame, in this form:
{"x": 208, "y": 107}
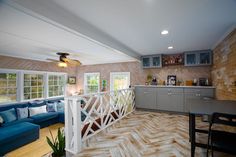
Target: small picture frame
{"x": 71, "y": 80}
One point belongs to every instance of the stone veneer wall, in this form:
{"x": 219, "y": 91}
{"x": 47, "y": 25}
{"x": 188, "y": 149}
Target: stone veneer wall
{"x": 138, "y": 74}
{"x": 26, "y": 64}
{"x": 224, "y": 68}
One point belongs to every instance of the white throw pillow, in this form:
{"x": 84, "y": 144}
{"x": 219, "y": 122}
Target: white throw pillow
{"x": 37, "y": 110}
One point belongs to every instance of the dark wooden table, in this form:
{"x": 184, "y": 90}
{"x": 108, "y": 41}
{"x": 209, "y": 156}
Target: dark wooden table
{"x": 206, "y": 107}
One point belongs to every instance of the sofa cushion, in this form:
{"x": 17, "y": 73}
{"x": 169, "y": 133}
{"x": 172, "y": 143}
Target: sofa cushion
{"x": 18, "y": 121}
{"x": 44, "y": 117}
{"x": 60, "y": 106}
{"x": 37, "y": 103}
{"x": 37, "y": 110}
{"x": 12, "y": 132}
{"x": 51, "y": 107}
{"x": 22, "y": 112}
{"x": 8, "y": 115}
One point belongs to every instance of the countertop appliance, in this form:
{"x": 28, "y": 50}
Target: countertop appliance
{"x": 203, "y": 82}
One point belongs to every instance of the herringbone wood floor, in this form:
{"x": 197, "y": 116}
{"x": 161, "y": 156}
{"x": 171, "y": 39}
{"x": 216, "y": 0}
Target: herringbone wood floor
{"x": 145, "y": 134}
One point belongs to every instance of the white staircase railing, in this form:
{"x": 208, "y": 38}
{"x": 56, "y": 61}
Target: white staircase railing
{"x": 86, "y": 115}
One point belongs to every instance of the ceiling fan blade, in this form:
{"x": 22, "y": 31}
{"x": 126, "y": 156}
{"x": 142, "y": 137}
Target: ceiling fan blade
{"x": 73, "y": 62}
{"x": 52, "y": 60}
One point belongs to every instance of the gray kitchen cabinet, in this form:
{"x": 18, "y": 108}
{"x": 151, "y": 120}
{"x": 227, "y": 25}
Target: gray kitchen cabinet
{"x": 152, "y": 61}
{"x": 170, "y": 99}
{"x": 191, "y": 94}
{"x": 145, "y": 97}
{"x": 198, "y": 58}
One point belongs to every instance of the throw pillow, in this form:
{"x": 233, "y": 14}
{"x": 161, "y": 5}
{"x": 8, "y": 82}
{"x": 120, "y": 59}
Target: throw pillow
{"x": 60, "y": 107}
{"x": 51, "y": 107}
{"x": 1, "y": 121}
{"x": 37, "y": 110}
{"x": 8, "y": 115}
{"x": 22, "y": 112}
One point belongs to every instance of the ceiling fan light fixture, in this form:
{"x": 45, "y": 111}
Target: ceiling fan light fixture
{"x": 62, "y": 64}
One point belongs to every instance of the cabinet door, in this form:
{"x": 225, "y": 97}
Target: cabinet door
{"x": 146, "y": 62}
{"x": 205, "y": 58}
{"x": 145, "y": 97}
{"x": 191, "y": 59}
{"x": 156, "y": 61}
{"x": 170, "y": 99}
{"x": 196, "y": 93}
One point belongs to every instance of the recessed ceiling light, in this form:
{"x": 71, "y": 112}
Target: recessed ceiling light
{"x": 170, "y": 47}
{"x": 164, "y": 32}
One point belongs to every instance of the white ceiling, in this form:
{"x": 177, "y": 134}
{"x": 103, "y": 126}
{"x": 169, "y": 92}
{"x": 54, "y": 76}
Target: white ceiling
{"x": 24, "y": 36}
{"x": 98, "y": 31}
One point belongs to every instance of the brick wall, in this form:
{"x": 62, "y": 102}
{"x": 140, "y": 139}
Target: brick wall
{"x": 224, "y": 68}
{"x": 26, "y": 64}
{"x": 138, "y": 74}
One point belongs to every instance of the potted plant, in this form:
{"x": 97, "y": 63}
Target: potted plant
{"x": 104, "y": 85}
{"x": 57, "y": 144}
{"x": 149, "y": 79}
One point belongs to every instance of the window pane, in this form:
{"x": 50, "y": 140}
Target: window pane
{"x": 8, "y": 89}
{"x": 3, "y": 83}
{"x": 53, "y": 82}
{"x": 27, "y": 90}
{"x": 33, "y": 86}
{"x": 92, "y": 83}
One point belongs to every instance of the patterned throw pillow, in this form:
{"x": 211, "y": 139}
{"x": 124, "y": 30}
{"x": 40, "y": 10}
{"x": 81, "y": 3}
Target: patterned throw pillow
{"x": 22, "y": 112}
{"x": 51, "y": 107}
{"x": 60, "y": 107}
{"x": 8, "y": 115}
{"x": 37, "y": 110}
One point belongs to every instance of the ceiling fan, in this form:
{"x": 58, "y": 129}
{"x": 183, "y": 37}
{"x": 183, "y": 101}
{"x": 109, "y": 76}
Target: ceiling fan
{"x": 64, "y": 61}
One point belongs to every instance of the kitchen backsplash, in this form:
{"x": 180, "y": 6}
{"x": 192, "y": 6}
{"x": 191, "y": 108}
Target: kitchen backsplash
{"x": 138, "y": 75}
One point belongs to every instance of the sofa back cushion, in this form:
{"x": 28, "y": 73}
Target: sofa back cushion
{"x": 37, "y": 103}
{"x": 8, "y": 115}
{"x": 37, "y": 110}
{"x": 22, "y": 112}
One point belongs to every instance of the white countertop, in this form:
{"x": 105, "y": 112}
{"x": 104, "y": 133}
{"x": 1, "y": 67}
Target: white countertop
{"x": 163, "y": 86}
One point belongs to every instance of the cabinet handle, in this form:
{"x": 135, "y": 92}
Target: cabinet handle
{"x": 145, "y": 92}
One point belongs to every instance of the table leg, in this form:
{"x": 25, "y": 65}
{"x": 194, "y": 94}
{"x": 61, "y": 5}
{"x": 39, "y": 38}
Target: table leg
{"x": 192, "y": 133}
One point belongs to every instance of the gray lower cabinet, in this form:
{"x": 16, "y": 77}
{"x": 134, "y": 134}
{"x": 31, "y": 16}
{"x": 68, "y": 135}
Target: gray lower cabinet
{"x": 145, "y": 97}
{"x": 191, "y": 94}
{"x": 170, "y": 99}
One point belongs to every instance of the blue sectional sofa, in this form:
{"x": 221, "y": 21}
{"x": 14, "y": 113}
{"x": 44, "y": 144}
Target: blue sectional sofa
{"x": 22, "y": 131}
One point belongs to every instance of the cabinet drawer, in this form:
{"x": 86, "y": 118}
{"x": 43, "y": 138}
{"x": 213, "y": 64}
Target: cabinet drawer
{"x": 170, "y": 90}
{"x": 207, "y": 92}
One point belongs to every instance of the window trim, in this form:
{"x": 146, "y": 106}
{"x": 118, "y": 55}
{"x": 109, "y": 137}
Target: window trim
{"x": 20, "y": 83}
{"x": 85, "y": 82}
{"x": 117, "y": 73}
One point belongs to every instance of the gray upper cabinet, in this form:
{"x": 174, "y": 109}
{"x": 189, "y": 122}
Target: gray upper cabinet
{"x": 153, "y": 61}
{"x": 145, "y": 97}
{"x": 198, "y": 58}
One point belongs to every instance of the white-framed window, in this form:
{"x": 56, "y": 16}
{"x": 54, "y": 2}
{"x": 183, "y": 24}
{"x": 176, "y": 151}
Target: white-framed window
{"x": 91, "y": 83}
{"x": 8, "y": 87}
{"x": 33, "y": 86}
{"x": 56, "y": 85}
{"x": 119, "y": 80}
{"x": 26, "y": 85}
